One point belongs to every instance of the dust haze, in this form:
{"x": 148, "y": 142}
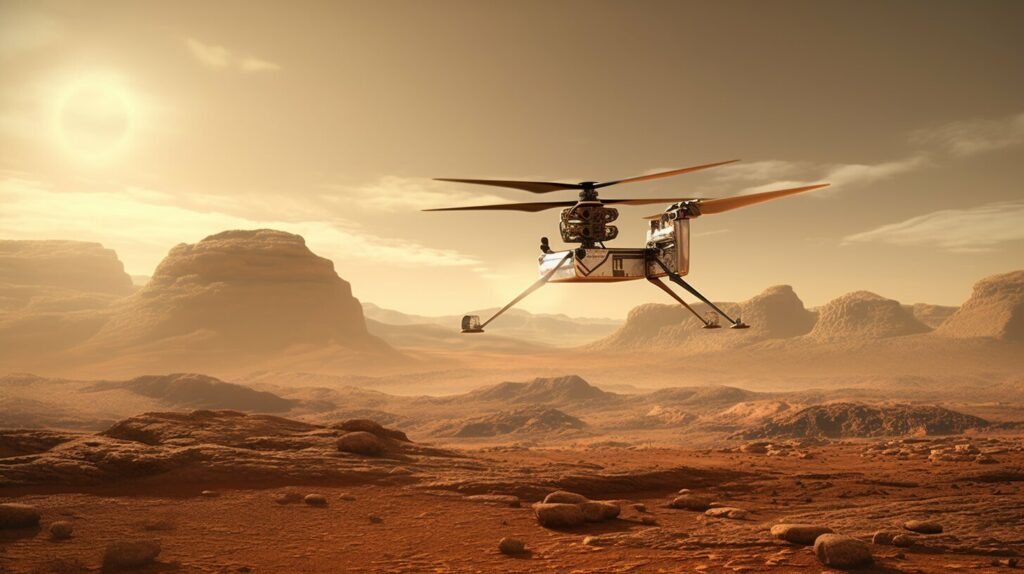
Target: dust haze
{"x": 243, "y": 358}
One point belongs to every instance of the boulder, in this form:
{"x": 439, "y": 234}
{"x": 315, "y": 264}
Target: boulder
{"x": 804, "y": 534}
{"x": 563, "y": 497}
{"x": 840, "y": 551}
{"x": 362, "y": 442}
{"x": 884, "y": 537}
{"x": 595, "y": 511}
{"x": 17, "y": 515}
{"x": 558, "y": 515}
{"x": 129, "y": 554}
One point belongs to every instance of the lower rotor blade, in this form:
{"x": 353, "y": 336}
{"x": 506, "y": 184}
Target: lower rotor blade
{"x": 534, "y": 186}
{"x": 530, "y": 207}
{"x": 710, "y": 206}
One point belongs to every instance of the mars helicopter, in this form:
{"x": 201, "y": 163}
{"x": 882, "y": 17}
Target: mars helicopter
{"x": 586, "y": 221}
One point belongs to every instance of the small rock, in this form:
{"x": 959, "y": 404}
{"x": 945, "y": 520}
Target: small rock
{"x": 499, "y": 499}
{"x": 346, "y": 496}
{"x": 61, "y": 530}
{"x": 841, "y": 551}
{"x": 726, "y": 512}
{"x": 558, "y": 515}
{"x": 209, "y": 493}
{"x": 17, "y": 515}
{"x": 648, "y": 520}
{"x": 126, "y": 554}
{"x": 362, "y": 442}
{"x": 511, "y": 546}
{"x": 883, "y": 537}
{"x": 923, "y": 526}
{"x": 690, "y": 502}
{"x": 804, "y": 534}
{"x": 563, "y": 497}
{"x": 374, "y": 519}
{"x": 640, "y": 507}
{"x": 288, "y": 498}
{"x": 315, "y": 500}
{"x": 399, "y": 471}
{"x": 903, "y": 540}
{"x": 594, "y": 511}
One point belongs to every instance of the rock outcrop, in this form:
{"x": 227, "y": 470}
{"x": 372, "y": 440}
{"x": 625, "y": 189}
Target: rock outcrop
{"x": 995, "y": 309}
{"x": 848, "y": 420}
{"x": 864, "y": 316}
{"x": 567, "y": 390}
{"x": 520, "y": 421}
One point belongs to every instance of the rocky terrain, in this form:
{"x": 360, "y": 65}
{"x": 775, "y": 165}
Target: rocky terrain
{"x": 847, "y": 420}
{"x": 216, "y": 491}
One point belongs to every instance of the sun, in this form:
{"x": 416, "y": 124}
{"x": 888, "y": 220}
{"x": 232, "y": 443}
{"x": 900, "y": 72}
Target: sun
{"x": 93, "y": 118}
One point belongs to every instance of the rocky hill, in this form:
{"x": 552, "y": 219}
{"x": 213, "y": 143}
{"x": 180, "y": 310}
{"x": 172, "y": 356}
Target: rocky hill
{"x": 849, "y": 420}
{"x": 570, "y": 389}
{"x": 520, "y": 421}
{"x": 252, "y": 290}
{"x": 995, "y": 309}
{"x": 200, "y": 391}
{"x": 862, "y": 316}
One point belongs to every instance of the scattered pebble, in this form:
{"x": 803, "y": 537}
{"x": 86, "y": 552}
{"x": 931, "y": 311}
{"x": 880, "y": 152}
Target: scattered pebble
{"x": 61, "y": 530}
{"x": 374, "y": 519}
{"x": 726, "y": 512}
{"x": 315, "y": 500}
{"x": 511, "y": 546}
{"x": 923, "y": 526}
{"x": 346, "y": 497}
{"x": 883, "y": 537}
{"x": 690, "y": 502}
{"x": 288, "y": 498}
{"x": 209, "y": 493}
{"x": 903, "y": 540}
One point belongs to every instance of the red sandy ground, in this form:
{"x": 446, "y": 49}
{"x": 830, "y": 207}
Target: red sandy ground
{"x": 422, "y": 530}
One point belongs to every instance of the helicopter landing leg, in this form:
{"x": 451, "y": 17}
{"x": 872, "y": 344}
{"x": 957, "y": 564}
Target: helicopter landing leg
{"x": 737, "y": 323}
{"x": 657, "y": 282}
{"x": 471, "y": 323}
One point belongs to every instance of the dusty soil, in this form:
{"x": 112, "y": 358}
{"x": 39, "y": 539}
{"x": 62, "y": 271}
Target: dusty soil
{"x": 428, "y": 523}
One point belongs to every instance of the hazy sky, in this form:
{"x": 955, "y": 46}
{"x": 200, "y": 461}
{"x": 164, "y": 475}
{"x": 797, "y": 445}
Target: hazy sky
{"x": 144, "y": 124}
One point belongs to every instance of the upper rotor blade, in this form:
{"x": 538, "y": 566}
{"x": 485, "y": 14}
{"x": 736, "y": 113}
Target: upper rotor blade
{"x": 531, "y": 207}
{"x": 664, "y": 173}
{"x": 665, "y": 200}
{"x": 710, "y": 206}
{"x": 533, "y": 186}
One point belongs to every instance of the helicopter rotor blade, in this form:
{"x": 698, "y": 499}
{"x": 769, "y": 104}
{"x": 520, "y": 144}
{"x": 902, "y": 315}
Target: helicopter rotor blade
{"x": 542, "y": 205}
{"x": 664, "y": 174}
{"x": 532, "y": 207}
{"x": 532, "y": 186}
{"x": 710, "y": 206}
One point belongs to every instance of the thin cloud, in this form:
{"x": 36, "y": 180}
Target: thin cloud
{"x": 972, "y": 230}
{"x": 220, "y": 57}
{"x": 141, "y": 226}
{"x": 973, "y": 137}
{"x": 840, "y": 175}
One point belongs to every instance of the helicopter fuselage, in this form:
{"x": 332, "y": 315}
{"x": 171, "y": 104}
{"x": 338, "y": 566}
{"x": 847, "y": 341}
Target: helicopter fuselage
{"x": 668, "y": 242}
